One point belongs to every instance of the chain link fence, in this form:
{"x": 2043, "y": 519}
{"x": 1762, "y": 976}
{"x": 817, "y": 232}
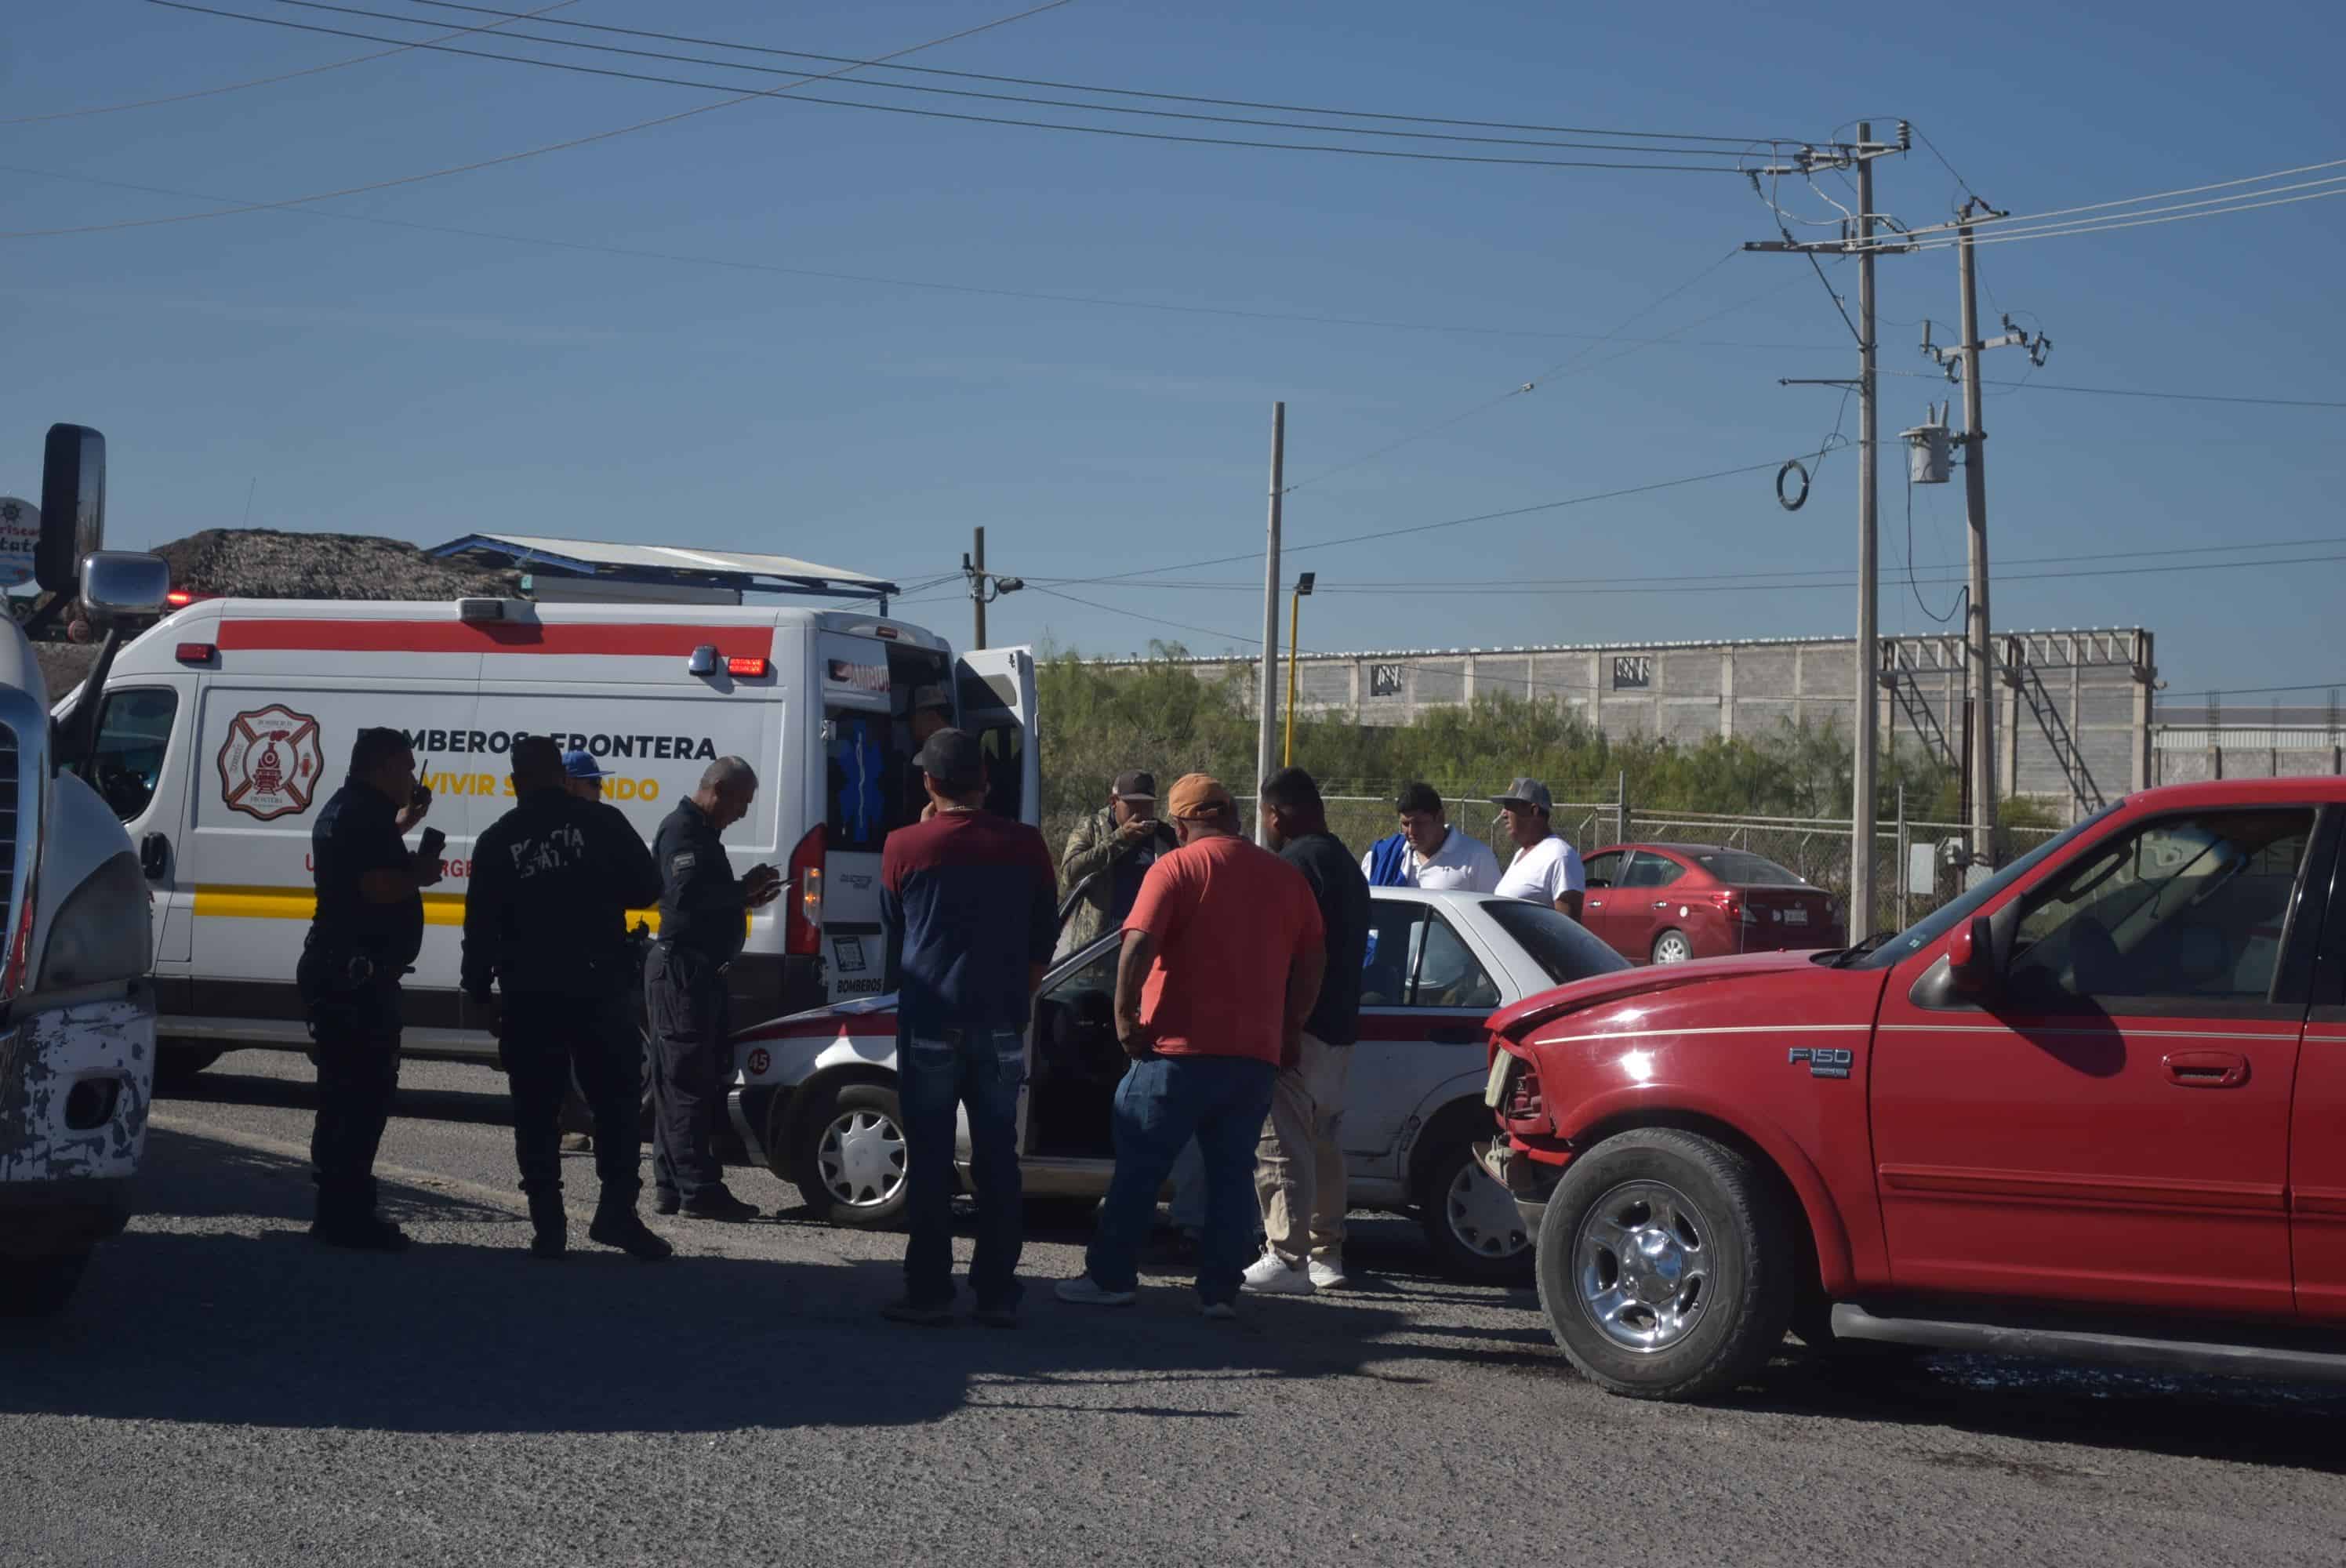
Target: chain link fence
{"x": 1906, "y": 886}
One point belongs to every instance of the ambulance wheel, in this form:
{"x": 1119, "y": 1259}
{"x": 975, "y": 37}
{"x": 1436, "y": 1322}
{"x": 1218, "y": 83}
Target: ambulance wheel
{"x": 849, "y": 1157}
{"x": 177, "y": 1062}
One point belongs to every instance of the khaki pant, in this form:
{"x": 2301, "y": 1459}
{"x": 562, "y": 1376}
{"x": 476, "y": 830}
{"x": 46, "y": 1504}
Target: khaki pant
{"x": 1300, "y": 1164}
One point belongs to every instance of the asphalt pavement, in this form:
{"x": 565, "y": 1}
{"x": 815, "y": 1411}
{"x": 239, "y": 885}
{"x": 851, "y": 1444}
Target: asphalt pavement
{"x": 223, "y": 1391}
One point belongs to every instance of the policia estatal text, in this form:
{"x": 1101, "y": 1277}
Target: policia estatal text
{"x": 546, "y": 921}
{"x": 368, "y": 930}
{"x": 703, "y": 920}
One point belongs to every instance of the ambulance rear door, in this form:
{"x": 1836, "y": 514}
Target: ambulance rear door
{"x": 997, "y": 691}
{"x": 866, "y": 790}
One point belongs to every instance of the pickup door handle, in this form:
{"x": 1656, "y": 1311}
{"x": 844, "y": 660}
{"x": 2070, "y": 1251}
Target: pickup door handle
{"x": 1454, "y": 1035}
{"x": 154, "y": 856}
{"x": 2206, "y": 1069}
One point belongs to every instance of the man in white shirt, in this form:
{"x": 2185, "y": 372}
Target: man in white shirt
{"x": 1428, "y": 852}
{"x": 1545, "y": 869}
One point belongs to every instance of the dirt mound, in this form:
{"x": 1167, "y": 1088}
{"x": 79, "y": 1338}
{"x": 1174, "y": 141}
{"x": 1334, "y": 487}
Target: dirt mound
{"x": 270, "y": 564}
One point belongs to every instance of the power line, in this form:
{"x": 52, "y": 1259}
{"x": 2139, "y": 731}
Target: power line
{"x": 2186, "y": 190}
{"x": 2128, "y": 391}
{"x": 2121, "y": 220}
{"x": 880, "y": 85}
{"x": 589, "y": 140}
{"x": 1447, "y": 523}
{"x": 1531, "y": 385}
{"x": 282, "y": 75}
{"x": 1740, "y": 142}
{"x": 947, "y": 114}
{"x": 740, "y": 264}
{"x": 1756, "y": 579}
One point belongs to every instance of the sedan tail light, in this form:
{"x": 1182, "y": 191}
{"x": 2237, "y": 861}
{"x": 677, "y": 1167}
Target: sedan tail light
{"x": 1731, "y": 904}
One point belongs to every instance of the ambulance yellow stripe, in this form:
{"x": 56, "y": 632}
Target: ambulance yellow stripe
{"x": 230, "y": 902}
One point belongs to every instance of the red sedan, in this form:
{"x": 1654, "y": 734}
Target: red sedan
{"x": 1665, "y": 903}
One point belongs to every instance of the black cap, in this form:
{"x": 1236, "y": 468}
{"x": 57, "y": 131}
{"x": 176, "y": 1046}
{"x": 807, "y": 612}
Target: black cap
{"x": 1135, "y": 785}
{"x": 952, "y": 757}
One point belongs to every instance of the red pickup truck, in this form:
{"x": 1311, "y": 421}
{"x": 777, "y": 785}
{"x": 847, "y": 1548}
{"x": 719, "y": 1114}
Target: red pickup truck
{"x": 2094, "y": 1108}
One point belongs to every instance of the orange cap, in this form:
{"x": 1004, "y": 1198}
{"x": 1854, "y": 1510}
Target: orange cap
{"x": 1199, "y": 795}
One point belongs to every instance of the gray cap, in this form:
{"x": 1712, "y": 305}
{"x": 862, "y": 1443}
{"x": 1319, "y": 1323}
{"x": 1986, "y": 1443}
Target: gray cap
{"x": 1525, "y": 792}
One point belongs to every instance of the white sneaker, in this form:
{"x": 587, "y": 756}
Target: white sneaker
{"x": 1272, "y": 1275}
{"x": 1217, "y": 1311}
{"x": 1328, "y": 1273}
{"x": 1085, "y": 1291}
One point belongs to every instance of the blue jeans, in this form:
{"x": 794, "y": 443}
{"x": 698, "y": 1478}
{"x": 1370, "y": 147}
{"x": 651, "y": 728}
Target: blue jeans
{"x": 981, "y": 1069}
{"x": 1162, "y": 1103}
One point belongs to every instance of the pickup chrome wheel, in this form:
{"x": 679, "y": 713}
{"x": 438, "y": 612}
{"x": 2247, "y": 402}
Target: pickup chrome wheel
{"x": 851, "y": 1156}
{"x": 1666, "y": 1264}
{"x": 1643, "y": 1265}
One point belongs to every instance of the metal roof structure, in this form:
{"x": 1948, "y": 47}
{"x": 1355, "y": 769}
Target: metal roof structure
{"x": 669, "y": 564}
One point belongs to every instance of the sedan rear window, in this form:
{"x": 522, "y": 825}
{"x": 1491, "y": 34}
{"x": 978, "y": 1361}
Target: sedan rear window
{"x": 1561, "y": 946}
{"x": 1738, "y": 869}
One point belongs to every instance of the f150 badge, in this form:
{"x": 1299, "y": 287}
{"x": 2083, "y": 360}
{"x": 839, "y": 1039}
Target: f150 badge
{"x": 1823, "y": 1062}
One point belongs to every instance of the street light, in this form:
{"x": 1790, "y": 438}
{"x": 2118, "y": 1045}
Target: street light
{"x": 1294, "y": 625}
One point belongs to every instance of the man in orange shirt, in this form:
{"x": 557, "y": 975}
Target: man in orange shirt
{"x": 1223, "y": 955}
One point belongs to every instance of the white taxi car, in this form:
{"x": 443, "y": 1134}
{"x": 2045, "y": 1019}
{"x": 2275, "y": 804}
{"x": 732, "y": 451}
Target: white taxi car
{"x": 815, "y": 1098}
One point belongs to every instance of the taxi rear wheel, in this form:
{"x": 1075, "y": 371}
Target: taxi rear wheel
{"x": 1471, "y": 1221}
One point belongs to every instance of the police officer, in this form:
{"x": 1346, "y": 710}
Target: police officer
{"x": 703, "y": 917}
{"x": 546, "y": 920}
{"x": 368, "y": 930}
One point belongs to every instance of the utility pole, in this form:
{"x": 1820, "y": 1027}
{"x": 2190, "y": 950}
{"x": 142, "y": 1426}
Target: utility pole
{"x": 1869, "y": 709}
{"x": 1965, "y": 359}
{"x": 1269, "y": 704}
{"x": 1857, "y": 239}
{"x": 984, "y": 587}
{"x": 977, "y": 600}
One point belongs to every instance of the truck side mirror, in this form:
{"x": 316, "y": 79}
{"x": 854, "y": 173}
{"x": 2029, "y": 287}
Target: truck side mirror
{"x": 1971, "y": 959}
{"x": 73, "y": 506}
{"x": 118, "y": 585}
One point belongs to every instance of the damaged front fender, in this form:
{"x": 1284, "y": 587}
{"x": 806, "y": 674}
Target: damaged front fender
{"x": 75, "y": 1081}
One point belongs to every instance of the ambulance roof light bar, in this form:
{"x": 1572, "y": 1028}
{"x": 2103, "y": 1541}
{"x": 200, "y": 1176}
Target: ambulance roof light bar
{"x": 668, "y": 565}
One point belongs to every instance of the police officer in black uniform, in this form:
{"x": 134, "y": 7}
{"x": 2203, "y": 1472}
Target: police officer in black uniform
{"x": 368, "y": 930}
{"x": 703, "y": 918}
{"x": 546, "y": 920}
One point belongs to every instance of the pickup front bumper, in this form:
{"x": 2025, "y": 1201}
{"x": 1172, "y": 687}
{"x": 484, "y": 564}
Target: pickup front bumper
{"x": 1528, "y": 1181}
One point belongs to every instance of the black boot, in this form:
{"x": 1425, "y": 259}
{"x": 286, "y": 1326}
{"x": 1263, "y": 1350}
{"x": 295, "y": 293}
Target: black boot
{"x": 616, "y": 1223}
{"x": 347, "y": 1219}
{"x": 551, "y": 1225}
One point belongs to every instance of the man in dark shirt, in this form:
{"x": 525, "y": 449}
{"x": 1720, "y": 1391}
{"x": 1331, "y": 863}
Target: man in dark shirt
{"x": 1300, "y": 1164}
{"x": 367, "y": 931}
{"x": 546, "y": 921}
{"x": 967, "y": 900}
{"x": 703, "y": 920}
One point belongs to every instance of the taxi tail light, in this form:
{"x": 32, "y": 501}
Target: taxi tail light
{"x": 802, "y": 895}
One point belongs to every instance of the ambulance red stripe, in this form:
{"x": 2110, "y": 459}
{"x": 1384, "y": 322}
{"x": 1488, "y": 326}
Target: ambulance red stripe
{"x": 607, "y": 639}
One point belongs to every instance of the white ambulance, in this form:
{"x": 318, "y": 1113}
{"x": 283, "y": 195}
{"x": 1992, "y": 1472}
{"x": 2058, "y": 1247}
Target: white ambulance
{"x": 226, "y": 728}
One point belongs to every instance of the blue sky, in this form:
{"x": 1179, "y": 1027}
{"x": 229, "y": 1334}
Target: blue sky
{"x": 421, "y": 384}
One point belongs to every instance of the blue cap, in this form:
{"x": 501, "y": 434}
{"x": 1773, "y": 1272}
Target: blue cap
{"x": 581, "y": 765}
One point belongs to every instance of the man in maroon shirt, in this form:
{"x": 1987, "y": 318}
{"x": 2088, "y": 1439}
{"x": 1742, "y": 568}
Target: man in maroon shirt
{"x": 969, "y": 901}
{"x": 1222, "y": 961}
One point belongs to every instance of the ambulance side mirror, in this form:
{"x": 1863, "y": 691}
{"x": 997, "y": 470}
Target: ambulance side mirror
{"x": 118, "y": 584}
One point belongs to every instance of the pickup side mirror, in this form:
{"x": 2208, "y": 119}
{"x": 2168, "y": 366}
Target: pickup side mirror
{"x": 1971, "y": 960}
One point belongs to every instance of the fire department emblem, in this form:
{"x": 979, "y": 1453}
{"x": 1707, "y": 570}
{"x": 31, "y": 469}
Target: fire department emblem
{"x": 270, "y": 764}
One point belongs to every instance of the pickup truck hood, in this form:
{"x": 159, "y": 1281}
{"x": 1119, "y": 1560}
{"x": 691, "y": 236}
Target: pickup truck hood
{"x": 1647, "y": 980}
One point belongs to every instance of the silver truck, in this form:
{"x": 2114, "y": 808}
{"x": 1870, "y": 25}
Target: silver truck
{"x": 76, "y": 1006}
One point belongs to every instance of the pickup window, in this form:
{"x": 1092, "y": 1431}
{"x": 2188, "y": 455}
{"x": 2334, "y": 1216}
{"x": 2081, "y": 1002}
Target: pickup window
{"x": 2188, "y": 906}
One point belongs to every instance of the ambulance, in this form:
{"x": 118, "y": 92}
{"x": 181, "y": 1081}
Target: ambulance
{"x": 227, "y": 728}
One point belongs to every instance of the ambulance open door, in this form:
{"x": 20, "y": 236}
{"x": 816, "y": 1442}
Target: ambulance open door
{"x": 997, "y": 691}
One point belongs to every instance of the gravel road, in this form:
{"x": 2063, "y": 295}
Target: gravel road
{"x": 224, "y": 1392}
